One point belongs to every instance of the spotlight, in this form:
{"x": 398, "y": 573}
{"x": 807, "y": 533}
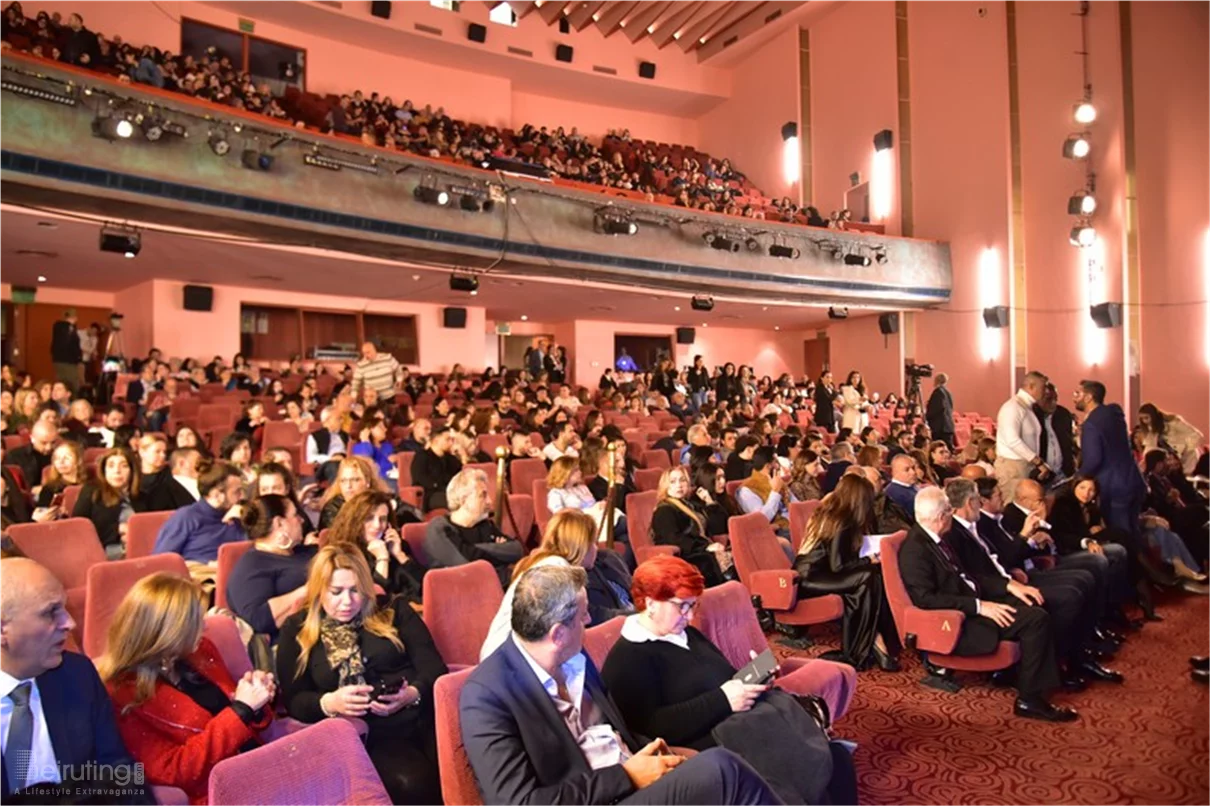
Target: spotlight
{"x": 778, "y": 250}
{"x": 112, "y": 128}
{"x": 126, "y": 242}
{"x": 431, "y": 195}
{"x": 789, "y": 131}
{"x": 153, "y": 129}
{"x": 753, "y": 245}
{"x": 702, "y": 303}
{"x": 1082, "y": 203}
{"x": 255, "y": 160}
{"x": 464, "y": 282}
{"x": 1076, "y": 147}
{"x": 219, "y": 143}
{"x": 838, "y": 313}
{"x": 614, "y": 225}
{"x": 1084, "y": 112}
{"x": 1083, "y": 235}
{"x": 880, "y": 257}
{"x": 717, "y": 241}
{"x": 856, "y": 260}
{"x": 469, "y": 203}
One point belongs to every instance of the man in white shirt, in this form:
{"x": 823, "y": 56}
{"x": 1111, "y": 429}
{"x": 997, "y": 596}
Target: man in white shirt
{"x": 1019, "y": 434}
{"x": 57, "y": 722}
{"x": 517, "y": 704}
{"x": 564, "y": 443}
{"x": 113, "y": 419}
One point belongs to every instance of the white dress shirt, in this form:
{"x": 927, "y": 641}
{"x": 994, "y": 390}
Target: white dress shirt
{"x": 937, "y": 539}
{"x": 552, "y": 453}
{"x": 1018, "y": 432}
{"x": 43, "y": 766}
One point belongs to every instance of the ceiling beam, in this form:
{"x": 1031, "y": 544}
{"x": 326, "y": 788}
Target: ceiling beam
{"x": 551, "y": 10}
{"x": 581, "y": 16}
{"x": 680, "y": 15}
{"x": 745, "y": 27}
{"x": 647, "y": 13}
{"x": 612, "y": 16}
{"x": 692, "y": 30}
{"x": 522, "y": 10}
{"x": 734, "y": 15}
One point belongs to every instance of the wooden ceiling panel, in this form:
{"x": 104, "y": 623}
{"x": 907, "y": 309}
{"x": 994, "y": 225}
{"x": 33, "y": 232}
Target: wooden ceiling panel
{"x": 642, "y": 18}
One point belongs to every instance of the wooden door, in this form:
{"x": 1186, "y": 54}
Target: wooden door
{"x": 31, "y": 332}
{"x": 816, "y": 356}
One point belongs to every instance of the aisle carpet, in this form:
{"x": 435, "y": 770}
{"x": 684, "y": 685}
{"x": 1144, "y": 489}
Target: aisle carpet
{"x": 1145, "y": 741}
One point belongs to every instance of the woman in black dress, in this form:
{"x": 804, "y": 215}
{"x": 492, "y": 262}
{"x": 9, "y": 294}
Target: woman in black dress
{"x": 676, "y": 522}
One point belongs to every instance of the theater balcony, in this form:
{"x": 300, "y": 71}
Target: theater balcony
{"x": 192, "y": 165}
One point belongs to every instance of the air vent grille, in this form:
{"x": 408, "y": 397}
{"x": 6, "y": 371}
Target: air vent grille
{"x": 609, "y": 71}
{"x": 427, "y": 29}
{"x": 529, "y": 54}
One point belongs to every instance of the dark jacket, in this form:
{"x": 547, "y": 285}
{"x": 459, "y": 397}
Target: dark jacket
{"x": 940, "y": 413}
{"x": 1011, "y": 549}
{"x": 80, "y": 720}
{"x": 976, "y": 561}
{"x": 446, "y": 544}
{"x": 1107, "y": 456}
{"x": 30, "y": 462}
{"x": 65, "y": 343}
{"x": 825, "y": 412}
{"x": 433, "y": 473}
{"x": 831, "y": 476}
{"x": 599, "y": 486}
{"x": 1071, "y": 522}
{"x": 104, "y": 517}
{"x": 1061, "y": 421}
{"x": 169, "y": 495}
{"x": 520, "y": 748}
{"x": 839, "y": 555}
{"x": 672, "y": 527}
{"x": 608, "y": 588}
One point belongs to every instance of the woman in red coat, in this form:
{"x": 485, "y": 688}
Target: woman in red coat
{"x": 178, "y": 709}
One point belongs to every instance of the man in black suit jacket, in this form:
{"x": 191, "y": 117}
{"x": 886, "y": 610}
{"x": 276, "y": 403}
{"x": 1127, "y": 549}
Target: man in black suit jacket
{"x": 940, "y": 411}
{"x": 936, "y": 580}
{"x": 172, "y": 493}
{"x": 65, "y": 350}
{"x": 1063, "y": 425}
{"x": 81, "y": 749}
{"x": 34, "y": 457}
{"x": 1068, "y": 594}
{"x": 842, "y": 458}
{"x": 527, "y": 710}
{"x": 825, "y": 394}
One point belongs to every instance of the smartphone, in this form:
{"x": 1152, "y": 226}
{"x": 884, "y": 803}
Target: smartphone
{"x": 57, "y": 501}
{"x": 759, "y": 671}
{"x": 383, "y": 687}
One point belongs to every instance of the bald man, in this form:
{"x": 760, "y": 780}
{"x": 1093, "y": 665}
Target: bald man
{"x": 56, "y": 719}
{"x": 31, "y": 459}
{"x": 973, "y": 472}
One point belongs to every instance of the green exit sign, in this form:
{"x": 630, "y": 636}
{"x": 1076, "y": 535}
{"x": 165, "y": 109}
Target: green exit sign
{"x": 247, "y": 26}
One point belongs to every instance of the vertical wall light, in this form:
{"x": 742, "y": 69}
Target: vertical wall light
{"x": 791, "y": 165}
{"x": 882, "y": 173}
{"x": 990, "y": 296}
{"x": 1094, "y": 340}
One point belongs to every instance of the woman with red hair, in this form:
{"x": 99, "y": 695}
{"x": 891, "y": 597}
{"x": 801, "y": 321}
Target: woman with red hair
{"x": 669, "y": 681}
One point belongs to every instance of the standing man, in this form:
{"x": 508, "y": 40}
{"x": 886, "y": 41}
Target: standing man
{"x": 825, "y": 411}
{"x": 1058, "y": 435}
{"x": 537, "y": 359}
{"x": 1106, "y": 456}
{"x": 378, "y": 371}
{"x": 1019, "y": 435}
{"x": 940, "y": 410}
{"x": 65, "y": 349}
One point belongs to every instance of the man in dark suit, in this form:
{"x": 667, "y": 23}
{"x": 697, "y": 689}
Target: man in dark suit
{"x": 940, "y": 411}
{"x": 1107, "y": 456}
{"x": 34, "y": 457}
{"x": 65, "y": 349}
{"x": 904, "y": 478}
{"x": 180, "y": 488}
{"x": 1067, "y": 594}
{"x": 825, "y": 394}
{"x": 60, "y": 736}
{"x": 539, "y": 727}
{"x": 842, "y": 458}
{"x": 1062, "y": 425}
{"x": 936, "y": 580}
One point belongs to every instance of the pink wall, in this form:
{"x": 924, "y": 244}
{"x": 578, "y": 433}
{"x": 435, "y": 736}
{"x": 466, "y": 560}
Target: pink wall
{"x": 747, "y": 127}
{"x": 853, "y": 96}
{"x": 595, "y": 120}
{"x": 1172, "y": 132}
{"x": 962, "y": 190}
{"x": 142, "y": 314}
{"x": 857, "y": 343}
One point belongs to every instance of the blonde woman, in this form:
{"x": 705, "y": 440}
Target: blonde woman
{"x": 343, "y": 655}
{"x": 178, "y": 709}
{"x": 678, "y": 521}
{"x": 356, "y": 474}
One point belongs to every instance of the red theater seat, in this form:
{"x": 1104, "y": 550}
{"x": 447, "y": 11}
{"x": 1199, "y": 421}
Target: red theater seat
{"x": 459, "y": 605}
{"x": 458, "y": 785}
{"x": 107, "y": 585}
{"x": 800, "y": 513}
{"x": 141, "y": 532}
{"x": 639, "y": 509}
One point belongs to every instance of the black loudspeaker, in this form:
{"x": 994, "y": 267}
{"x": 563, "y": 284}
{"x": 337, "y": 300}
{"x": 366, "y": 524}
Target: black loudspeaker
{"x": 888, "y": 323}
{"x": 685, "y": 335}
{"x": 476, "y": 32}
{"x": 381, "y": 8}
{"x": 564, "y": 26}
{"x": 563, "y": 53}
{"x": 996, "y": 316}
{"x": 1107, "y": 314}
{"x": 453, "y": 317}
{"x": 646, "y": 69}
{"x": 199, "y": 298}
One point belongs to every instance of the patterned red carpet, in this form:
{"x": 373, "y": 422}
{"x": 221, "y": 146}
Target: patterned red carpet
{"x": 1146, "y": 741}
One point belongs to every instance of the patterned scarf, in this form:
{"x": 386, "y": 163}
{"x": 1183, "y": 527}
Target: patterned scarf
{"x": 342, "y": 643}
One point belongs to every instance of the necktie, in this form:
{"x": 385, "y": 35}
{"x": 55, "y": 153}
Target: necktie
{"x": 957, "y": 566}
{"x": 20, "y": 736}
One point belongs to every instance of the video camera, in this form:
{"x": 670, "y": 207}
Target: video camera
{"x": 919, "y": 370}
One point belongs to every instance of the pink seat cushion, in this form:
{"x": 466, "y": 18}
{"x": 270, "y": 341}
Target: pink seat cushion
{"x": 459, "y": 605}
{"x": 458, "y": 783}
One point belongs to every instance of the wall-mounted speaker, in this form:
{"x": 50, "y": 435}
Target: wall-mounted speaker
{"x": 563, "y": 53}
{"x": 199, "y": 298}
{"x": 476, "y": 32}
{"x": 564, "y": 25}
{"x": 453, "y": 317}
{"x": 646, "y": 69}
{"x": 996, "y": 316}
{"x": 381, "y": 8}
{"x": 1107, "y": 314}
{"x": 685, "y": 335}
{"x": 888, "y": 323}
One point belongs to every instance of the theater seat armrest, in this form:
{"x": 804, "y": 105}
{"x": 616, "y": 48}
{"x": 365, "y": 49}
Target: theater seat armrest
{"x": 413, "y": 495}
{"x": 644, "y": 554}
{"x": 935, "y": 630}
{"x": 777, "y": 588}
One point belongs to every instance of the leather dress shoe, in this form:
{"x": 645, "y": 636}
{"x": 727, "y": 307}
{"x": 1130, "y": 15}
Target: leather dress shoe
{"x": 1073, "y": 683}
{"x": 1200, "y": 676}
{"x": 1106, "y": 634}
{"x": 1200, "y": 662}
{"x": 887, "y": 663}
{"x": 1094, "y": 671}
{"x": 1005, "y": 678}
{"x": 1038, "y": 708}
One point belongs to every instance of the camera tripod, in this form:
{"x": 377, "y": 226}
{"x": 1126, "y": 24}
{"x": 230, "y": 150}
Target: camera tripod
{"x": 913, "y": 396}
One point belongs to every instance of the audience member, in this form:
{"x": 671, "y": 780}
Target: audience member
{"x": 268, "y": 583}
{"x": 35, "y": 456}
{"x": 66, "y": 470}
{"x": 678, "y": 522}
{"x": 1170, "y": 431}
{"x": 842, "y": 457}
{"x": 181, "y": 488}
{"x": 195, "y": 532}
{"x": 434, "y": 468}
{"x": 940, "y": 410}
{"x": 1018, "y": 437}
{"x": 365, "y": 522}
{"x": 1056, "y": 442}
{"x": 110, "y": 499}
{"x": 467, "y": 533}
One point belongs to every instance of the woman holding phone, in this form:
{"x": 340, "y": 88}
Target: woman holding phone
{"x": 365, "y": 522}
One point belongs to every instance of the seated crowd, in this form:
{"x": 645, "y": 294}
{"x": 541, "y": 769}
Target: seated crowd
{"x": 671, "y": 174}
{"x": 327, "y": 597}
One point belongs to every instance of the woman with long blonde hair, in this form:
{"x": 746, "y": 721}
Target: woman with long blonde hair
{"x": 830, "y": 561}
{"x": 357, "y": 474}
{"x": 343, "y": 655}
{"x": 178, "y": 709}
{"x": 677, "y": 521}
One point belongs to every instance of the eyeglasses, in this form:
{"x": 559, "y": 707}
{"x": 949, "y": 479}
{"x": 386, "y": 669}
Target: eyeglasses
{"x": 685, "y": 607}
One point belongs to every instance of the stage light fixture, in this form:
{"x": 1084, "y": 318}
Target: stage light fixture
{"x": 718, "y": 241}
{"x": 464, "y": 282}
{"x": 112, "y": 128}
{"x": 219, "y": 143}
{"x": 782, "y": 251}
{"x": 1076, "y": 147}
{"x": 838, "y": 313}
{"x": 1082, "y": 203}
{"x": 752, "y": 244}
{"x": 702, "y": 303}
{"x": 432, "y": 195}
{"x": 153, "y": 128}
{"x": 1084, "y": 112}
{"x": 856, "y": 260}
{"x": 1083, "y": 235}
{"x": 616, "y": 225}
{"x": 125, "y": 242}
{"x": 255, "y": 160}
{"x": 880, "y": 257}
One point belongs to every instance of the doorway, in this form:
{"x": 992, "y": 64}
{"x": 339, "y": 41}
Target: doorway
{"x": 512, "y": 350}
{"x": 647, "y": 351}
{"x": 816, "y": 355}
